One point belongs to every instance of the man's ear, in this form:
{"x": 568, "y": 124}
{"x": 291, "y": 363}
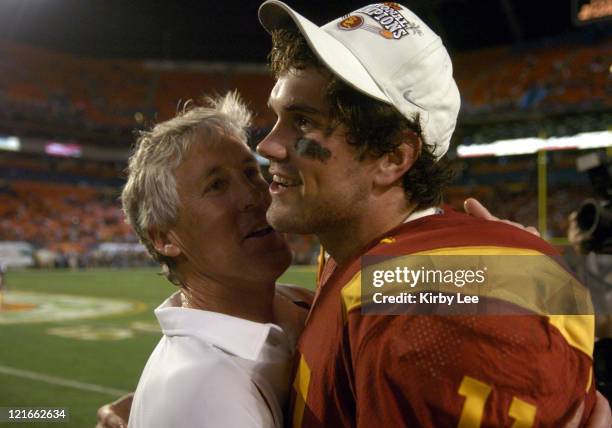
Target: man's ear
{"x": 393, "y": 165}
{"x": 163, "y": 243}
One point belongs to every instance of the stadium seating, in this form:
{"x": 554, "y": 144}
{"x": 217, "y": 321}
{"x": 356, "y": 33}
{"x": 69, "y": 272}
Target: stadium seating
{"x": 550, "y": 78}
{"x": 46, "y": 85}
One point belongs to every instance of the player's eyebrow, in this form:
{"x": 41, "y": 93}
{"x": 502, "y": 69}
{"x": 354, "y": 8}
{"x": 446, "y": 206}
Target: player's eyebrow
{"x": 298, "y": 107}
{"x": 303, "y": 108}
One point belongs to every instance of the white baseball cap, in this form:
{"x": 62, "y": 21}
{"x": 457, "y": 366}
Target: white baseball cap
{"x": 386, "y": 52}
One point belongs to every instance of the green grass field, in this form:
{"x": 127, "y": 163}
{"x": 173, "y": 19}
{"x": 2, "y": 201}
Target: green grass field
{"x": 95, "y": 358}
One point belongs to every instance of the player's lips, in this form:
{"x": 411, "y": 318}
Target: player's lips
{"x": 282, "y": 182}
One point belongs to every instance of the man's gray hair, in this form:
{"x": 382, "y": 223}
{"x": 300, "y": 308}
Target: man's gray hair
{"x": 150, "y": 198}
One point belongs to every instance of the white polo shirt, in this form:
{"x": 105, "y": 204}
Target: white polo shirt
{"x": 213, "y": 370}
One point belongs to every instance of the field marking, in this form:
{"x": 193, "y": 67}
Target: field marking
{"x": 61, "y": 381}
{"x": 53, "y": 307}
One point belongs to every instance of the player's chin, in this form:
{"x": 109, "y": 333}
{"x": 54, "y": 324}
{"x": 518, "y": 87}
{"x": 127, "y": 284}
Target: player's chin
{"x": 283, "y": 217}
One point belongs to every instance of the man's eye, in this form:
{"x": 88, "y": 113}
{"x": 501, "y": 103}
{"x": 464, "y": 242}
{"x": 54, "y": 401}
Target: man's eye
{"x": 216, "y": 185}
{"x": 303, "y": 124}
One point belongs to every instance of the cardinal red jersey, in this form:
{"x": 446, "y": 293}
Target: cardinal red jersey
{"x": 522, "y": 370}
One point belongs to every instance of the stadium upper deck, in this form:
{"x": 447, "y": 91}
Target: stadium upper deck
{"x": 49, "y": 93}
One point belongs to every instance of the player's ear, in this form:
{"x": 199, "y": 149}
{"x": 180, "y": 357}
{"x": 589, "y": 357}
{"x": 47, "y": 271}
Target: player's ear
{"x": 393, "y": 165}
{"x": 163, "y": 243}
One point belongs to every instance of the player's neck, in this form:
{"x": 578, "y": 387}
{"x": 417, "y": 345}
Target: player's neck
{"x": 346, "y": 240}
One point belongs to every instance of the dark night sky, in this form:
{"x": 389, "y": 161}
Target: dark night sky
{"x": 229, "y": 31}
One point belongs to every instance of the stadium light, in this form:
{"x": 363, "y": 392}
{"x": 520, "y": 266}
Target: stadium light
{"x": 12, "y": 144}
{"x": 523, "y": 146}
{"x": 63, "y": 150}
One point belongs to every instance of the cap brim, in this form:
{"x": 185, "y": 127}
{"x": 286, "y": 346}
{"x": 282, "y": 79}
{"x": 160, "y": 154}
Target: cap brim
{"x": 274, "y": 14}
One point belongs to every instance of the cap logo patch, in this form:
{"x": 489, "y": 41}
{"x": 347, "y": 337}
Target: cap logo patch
{"x": 388, "y": 16}
{"x": 393, "y": 5}
{"x": 351, "y": 22}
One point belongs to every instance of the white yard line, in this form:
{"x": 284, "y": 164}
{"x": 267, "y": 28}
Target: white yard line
{"x": 61, "y": 381}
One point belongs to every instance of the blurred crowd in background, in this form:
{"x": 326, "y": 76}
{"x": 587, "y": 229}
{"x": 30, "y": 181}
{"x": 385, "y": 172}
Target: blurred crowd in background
{"x": 42, "y": 89}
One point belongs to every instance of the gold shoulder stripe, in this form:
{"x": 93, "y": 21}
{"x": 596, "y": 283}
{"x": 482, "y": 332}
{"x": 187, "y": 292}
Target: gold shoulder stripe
{"x": 577, "y": 330}
{"x": 320, "y": 264}
{"x": 351, "y": 295}
{"x": 590, "y": 381}
{"x": 301, "y": 384}
{"x": 479, "y": 251}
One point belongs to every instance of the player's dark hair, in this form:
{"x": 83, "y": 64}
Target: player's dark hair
{"x": 374, "y": 127}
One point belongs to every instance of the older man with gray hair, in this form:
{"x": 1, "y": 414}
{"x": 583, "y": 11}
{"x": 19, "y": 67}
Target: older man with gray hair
{"x": 197, "y": 200}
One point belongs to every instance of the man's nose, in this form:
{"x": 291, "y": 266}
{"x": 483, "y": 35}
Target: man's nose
{"x": 273, "y": 146}
{"x": 253, "y": 195}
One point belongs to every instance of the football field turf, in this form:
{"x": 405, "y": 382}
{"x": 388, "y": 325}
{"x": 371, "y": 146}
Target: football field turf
{"x": 80, "y": 339}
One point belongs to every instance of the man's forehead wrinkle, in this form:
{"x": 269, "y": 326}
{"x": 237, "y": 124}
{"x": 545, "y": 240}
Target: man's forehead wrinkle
{"x": 216, "y": 169}
{"x": 289, "y": 95}
{"x": 209, "y": 172}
